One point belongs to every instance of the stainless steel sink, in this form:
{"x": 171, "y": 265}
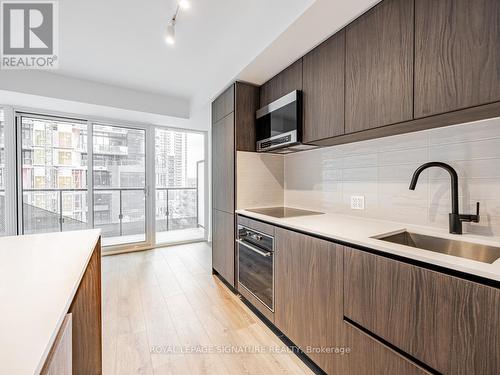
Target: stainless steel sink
{"x": 469, "y": 250}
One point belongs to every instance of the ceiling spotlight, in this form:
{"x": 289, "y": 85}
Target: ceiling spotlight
{"x": 184, "y": 4}
{"x": 170, "y": 36}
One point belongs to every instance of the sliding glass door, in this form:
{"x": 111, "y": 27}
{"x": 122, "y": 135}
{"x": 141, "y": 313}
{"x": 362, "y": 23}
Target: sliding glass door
{"x": 55, "y": 156}
{"x": 53, "y": 169}
{"x": 178, "y": 199}
{"x": 78, "y": 174}
{"x": 119, "y": 174}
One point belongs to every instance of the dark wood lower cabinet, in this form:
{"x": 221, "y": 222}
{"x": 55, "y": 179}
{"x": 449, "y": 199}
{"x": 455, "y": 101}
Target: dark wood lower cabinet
{"x": 450, "y": 324}
{"x": 223, "y": 245}
{"x": 308, "y": 305}
{"x": 370, "y": 357}
{"x": 387, "y": 317}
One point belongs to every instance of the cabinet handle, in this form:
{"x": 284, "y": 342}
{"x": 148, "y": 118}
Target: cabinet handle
{"x": 254, "y": 249}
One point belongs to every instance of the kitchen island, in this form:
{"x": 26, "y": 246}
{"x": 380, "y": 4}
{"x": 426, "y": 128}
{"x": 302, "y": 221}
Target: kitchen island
{"x": 50, "y": 283}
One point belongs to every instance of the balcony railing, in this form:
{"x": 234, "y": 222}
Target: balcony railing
{"x": 50, "y": 217}
{"x": 118, "y": 212}
{"x": 176, "y": 208}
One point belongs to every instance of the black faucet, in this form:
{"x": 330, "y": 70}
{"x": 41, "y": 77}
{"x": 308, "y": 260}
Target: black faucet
{"x": 456, "y": 219}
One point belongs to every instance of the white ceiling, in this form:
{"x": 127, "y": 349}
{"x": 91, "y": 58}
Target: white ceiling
{"x": 121, "y": 42}
{"x": 321, "y": 20}
{"x": 113, "y": 53}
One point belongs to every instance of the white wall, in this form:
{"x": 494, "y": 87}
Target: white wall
{"x": 381, "y": 169}
{"x": 50, "y": 85}
{"x": 202, "y": 120}
{"x": 47, "y": 105}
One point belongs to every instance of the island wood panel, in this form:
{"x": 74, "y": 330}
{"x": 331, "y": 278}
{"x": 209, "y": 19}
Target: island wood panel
{"x": 223, "y": 104}
{"x": 59, "y": 360}
{"x": 246, "y": 104}
{"x": 223, "y": 260}
{"x": 370, "y": 357}
{"x": 223, "y": 164}
{"x": 323, "y": 89}
{"x": 281, "y": 84}
{"x": 308, "y": 294}
{"x": 379, "y": 66}
{"x": 87, "y": 321}
{"x": 457, "y": 54}
{"x": 450, "y": 324}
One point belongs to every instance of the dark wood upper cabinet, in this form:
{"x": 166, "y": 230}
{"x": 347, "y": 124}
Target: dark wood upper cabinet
{"x": 323, "y": 89}
{"x": 246, "y": 104}
{"x": 457, "y": 54}
{"x": 223, "y": 164}
{"x": 450, "y": 324}
{"x": 379, "y": 66}
{"x": 223, "y": 104}
{"x": 308, "y": 294}
{"x": 288, "y": 80}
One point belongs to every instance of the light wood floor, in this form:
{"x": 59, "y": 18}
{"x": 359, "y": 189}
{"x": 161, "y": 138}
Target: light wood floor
{"x": 168, "y": 298}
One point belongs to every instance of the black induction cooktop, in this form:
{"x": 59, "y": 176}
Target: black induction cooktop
{"x": 283, "y": 212}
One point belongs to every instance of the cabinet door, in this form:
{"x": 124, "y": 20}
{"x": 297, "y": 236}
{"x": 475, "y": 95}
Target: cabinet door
{"x": 223, "y": 244}
{"x": 451, "y": 324}
{"x": 223, "y": 105}
{"x": 246, "y": 104}
{"x": 288, "y": 80}
{"x": 308, "y": 293}
{"x": 457, "y": 54}
{"x": 370, "y": 357}
{"x": 223, "y": 164}
{"x": 323, "y": 92}
{"x": 379, "y": 67}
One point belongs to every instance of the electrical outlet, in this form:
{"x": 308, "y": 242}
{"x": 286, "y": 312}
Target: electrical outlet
{"x": 357, "y": 202}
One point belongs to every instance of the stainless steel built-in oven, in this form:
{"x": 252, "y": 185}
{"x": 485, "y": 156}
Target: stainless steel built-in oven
{"x": 256, "y": 264}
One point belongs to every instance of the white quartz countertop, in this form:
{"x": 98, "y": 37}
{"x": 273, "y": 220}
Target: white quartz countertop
{"x": 39, "y": 276}
{"x": 359, "y": 231}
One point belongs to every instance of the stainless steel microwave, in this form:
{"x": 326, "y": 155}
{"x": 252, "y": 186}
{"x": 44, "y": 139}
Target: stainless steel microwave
{"x": 279, "y": 124}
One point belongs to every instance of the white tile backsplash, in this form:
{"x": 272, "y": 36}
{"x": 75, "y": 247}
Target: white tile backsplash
{"x": 259, "y": 180}
{"x": 381, "y": 169}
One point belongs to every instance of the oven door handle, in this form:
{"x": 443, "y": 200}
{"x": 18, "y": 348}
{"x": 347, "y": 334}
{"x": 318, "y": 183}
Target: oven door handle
{"x": 254, "y": 249}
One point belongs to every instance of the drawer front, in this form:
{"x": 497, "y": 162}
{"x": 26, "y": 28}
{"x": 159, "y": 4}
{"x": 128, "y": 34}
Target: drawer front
{"x": 370, "y": 357}
{"x": 450, "y": 324}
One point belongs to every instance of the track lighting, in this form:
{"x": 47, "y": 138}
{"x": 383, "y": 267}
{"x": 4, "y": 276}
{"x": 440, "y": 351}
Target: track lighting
{"x": 170, "y": 34}
{"x": 184, "y": 4}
